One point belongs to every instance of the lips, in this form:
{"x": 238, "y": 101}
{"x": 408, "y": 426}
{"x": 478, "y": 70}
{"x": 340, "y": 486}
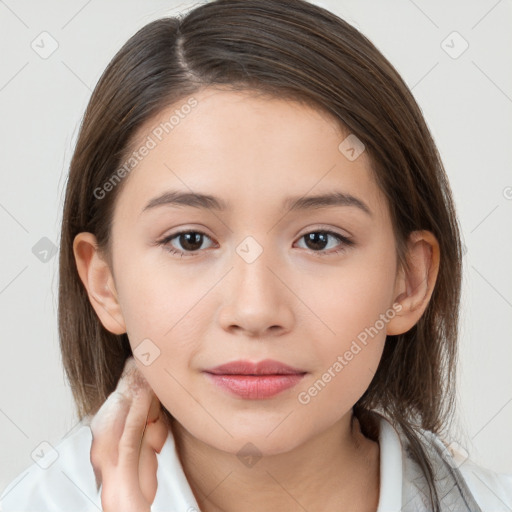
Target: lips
{"x": 266, "y": 367}
{"x": 255, "y": 381}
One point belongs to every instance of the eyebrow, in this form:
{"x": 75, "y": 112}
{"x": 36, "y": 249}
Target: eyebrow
{"x": 293, "y": 203}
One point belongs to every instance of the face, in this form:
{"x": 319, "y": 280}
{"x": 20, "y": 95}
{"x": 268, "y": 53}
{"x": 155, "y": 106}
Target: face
{"x": 309, "y": 287}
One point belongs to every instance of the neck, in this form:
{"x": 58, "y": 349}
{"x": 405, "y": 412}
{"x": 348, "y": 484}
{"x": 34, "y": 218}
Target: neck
{"x": 337, "y": 469}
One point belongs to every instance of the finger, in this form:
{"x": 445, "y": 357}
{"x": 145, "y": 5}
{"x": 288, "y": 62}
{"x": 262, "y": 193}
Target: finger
{"x": 156, "y": 434}
{"x": 144, "y": 407}
{"x": 134, "y": 385}
{"x": 152, "y": 442}
{"x": 155, "y": 409}
{"x": 107, "y": 427}
{"x": 132, "y": 380}
{"x": 148, "y": 466}
{"x": 130, "y": 443}
{"x": 108, "y": 423}
{"x": 122, "y": 489}
{"x": 128, "y": 431}
{"x": 97, "y": 475}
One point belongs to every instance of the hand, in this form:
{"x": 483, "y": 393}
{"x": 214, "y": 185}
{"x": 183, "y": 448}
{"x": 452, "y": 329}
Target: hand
{"x": 128, "y": 431}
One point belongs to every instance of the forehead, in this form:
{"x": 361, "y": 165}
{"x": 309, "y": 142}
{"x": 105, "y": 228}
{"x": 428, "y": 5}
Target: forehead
{"x": 246, "y": 148}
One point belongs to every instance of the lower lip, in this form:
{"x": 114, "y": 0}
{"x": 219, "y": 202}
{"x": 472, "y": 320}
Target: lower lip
{"x": 256, "y": 387}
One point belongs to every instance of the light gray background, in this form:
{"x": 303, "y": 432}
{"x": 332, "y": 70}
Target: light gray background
{"x": 467, "y": 102}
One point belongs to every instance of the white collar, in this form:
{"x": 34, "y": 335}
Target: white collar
{"x": 391, "y": 468}
{"x": 174, "y": 492}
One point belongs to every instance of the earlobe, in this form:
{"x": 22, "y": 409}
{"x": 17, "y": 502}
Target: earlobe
{"x": 414, "y": 286}
{"x": 97, "y": 278}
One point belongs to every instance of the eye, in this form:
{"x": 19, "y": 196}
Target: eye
{"x": 318, "y": 240}
{"x": 190, "y": 240}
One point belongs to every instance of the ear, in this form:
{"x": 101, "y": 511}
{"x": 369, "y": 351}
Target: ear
{"x": 414, "y": 288}
{"x": 97, "y": 278}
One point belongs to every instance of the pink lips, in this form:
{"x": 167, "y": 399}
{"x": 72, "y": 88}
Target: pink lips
{"x": 255, "y": 381}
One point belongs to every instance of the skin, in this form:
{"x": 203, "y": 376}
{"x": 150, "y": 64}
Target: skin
{"x": 128, "y": 432}
{"x": 211, "y": 306}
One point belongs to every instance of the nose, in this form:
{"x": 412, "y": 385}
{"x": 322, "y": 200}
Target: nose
{"x": 258, "y": 301}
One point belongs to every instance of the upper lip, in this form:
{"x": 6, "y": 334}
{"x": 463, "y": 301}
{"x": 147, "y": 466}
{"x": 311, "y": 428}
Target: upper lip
{"x": 266, "y": 367}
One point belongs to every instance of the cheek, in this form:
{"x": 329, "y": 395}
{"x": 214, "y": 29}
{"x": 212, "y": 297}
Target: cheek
{"x": 164, "y": 311}
{"x": 348, "y": 359}
{"x": 158, "y": 299}
{"x": 354, "y": 310}
{"x": 164, "y": 317}
{"x": 351, "y": 303}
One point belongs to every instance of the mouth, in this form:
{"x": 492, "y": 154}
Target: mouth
{"x": 255, "y": 381}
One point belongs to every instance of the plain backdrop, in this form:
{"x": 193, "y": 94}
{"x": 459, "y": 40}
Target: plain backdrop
{"x": 466, "y": 97}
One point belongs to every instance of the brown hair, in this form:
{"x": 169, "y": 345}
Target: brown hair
{"x": 288, "y": 49}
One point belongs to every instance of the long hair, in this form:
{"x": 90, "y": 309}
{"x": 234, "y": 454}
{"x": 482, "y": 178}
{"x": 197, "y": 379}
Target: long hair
{"x": 294, "y": 50}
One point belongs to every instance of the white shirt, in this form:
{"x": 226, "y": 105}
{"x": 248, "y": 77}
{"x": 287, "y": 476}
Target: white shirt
{"x": 67, "y": 483}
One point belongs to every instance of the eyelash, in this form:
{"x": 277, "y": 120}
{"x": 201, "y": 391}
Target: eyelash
{"x": 347, "y": 242}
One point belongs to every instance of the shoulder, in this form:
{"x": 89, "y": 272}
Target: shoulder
{"x": 460, "y": 481}
{"x": 62, "y": 478}
{"x": 491, "y": 490}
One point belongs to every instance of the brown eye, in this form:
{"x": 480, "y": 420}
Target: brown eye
{"x": 318, "y": 241}
{"x": 190, "y": 241}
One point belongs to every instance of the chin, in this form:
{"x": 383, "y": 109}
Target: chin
{"x": 251, "y": 447}
{"x": 270, "y": 432}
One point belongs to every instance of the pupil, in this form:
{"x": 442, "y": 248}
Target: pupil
{"x": 190, "y": 240}
{"x": 315, "y": 237}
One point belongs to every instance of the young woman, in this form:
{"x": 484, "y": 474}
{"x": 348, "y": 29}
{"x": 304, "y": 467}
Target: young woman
{"x": 260, "y": 273}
